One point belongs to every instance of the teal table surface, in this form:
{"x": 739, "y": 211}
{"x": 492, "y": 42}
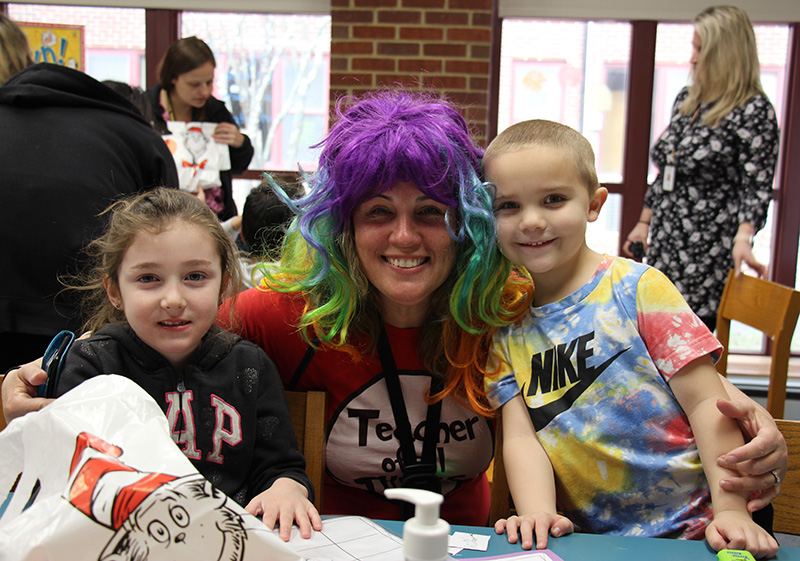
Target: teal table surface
{"x": 588, "y": 547}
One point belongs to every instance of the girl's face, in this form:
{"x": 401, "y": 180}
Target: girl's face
{"x": 405, "y": 249}
{"x": 169, "y": 287}
{"x": 194, "y": 87}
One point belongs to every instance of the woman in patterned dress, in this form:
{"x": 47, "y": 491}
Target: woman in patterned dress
{"x": 716, "y": 162}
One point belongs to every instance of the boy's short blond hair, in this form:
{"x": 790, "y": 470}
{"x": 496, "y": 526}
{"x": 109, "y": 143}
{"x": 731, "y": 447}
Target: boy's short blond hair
{"x": 540, "y": 132}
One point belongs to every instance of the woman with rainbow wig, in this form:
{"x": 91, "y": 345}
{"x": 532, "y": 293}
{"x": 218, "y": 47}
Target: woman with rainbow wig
{"x": 389, "y": 284}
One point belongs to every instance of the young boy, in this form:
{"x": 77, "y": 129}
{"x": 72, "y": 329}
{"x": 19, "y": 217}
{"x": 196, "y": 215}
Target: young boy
{"x": 613, "y": 366}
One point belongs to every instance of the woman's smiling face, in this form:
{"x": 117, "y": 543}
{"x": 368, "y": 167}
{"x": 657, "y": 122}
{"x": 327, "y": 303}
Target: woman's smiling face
{"x": 406, "y": 251}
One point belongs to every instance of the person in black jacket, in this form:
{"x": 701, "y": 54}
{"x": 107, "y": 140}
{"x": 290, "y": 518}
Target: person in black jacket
{"x": 186, "y": 79}
{"x": 158, "y": 274}
{"x": 69, "y": 147}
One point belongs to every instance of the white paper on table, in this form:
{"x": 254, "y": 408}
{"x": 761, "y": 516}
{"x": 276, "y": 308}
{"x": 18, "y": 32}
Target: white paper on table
{"x": 349, "y": 538}
{"x": 467, "y": 540}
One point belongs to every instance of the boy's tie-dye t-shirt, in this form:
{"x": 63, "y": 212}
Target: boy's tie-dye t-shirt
{"x": 593, "y": 369}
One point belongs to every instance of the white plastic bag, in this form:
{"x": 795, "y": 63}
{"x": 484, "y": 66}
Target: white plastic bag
{"x": 96, "y": 475}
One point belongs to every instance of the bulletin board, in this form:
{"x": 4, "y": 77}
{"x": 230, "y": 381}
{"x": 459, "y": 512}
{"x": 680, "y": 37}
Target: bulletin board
{"x": 54, "y": 43}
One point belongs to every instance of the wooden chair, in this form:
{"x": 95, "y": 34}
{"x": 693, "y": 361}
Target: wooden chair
{"x": 772, "y": 309}
{"x": 308, "y": 419}
{"x": 2, "y": 417}
{"x": 787, "y": 505}
{"x": 500, "y": 498}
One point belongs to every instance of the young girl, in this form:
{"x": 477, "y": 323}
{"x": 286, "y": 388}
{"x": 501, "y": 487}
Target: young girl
{"x": 160, "y": 270}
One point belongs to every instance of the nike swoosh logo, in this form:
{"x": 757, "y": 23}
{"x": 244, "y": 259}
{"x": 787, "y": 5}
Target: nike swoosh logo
{"x": 541, "y": 416}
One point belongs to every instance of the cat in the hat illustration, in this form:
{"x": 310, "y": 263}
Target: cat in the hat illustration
{"x": 154, "y": 516}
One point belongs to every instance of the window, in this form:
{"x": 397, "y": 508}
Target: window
{"x": 272, "y": 73}
{"x": 796, "y": 338}
{"x": 602, "y": 235}
{"x": 573, "y": 72}
{"x": 576, "y": 73}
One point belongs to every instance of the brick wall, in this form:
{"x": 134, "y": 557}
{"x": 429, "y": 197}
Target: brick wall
{"x": 418, "y": 44}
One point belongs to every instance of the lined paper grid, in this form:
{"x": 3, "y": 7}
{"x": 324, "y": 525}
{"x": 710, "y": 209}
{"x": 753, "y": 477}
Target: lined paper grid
{"x": 349, "y": 538}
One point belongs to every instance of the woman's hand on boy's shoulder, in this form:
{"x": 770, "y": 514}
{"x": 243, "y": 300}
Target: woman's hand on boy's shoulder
{"x": 540, "y": 525}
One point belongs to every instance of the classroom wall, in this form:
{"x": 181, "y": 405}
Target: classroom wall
{"x": 418, "y": 44}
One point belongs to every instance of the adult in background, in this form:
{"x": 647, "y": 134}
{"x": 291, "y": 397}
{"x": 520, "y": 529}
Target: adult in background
{"x": 716, "y": 161}
{"x": 186, "y": 80}
{"x": 69, "y": 147}
{"x": 15, "y": 54}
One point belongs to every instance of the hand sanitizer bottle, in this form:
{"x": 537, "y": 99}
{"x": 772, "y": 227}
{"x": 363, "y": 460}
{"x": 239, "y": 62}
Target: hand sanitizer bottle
{"x": 425, "y": 535}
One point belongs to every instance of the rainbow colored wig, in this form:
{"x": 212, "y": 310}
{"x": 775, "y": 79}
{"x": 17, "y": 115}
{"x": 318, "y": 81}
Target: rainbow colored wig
{"x": 376, "y": 142}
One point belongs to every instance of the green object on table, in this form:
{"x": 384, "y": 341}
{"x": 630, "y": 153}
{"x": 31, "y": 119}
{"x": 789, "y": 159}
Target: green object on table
{"x": 734, "y": 555}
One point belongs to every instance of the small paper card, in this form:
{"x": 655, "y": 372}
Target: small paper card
{"x": 668, "y": 184}
{"x": 466, "y": 540}
{"x": 349, "y": 538}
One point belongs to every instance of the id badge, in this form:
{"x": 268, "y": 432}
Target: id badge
{"x": 668, "y": 181}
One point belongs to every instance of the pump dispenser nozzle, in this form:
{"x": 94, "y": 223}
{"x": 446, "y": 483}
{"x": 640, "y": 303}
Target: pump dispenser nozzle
{"x": 424, "y": 535}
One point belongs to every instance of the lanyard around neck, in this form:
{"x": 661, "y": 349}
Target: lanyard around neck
{"x": 170, "y": 111}
{"x": 427, "y": 461}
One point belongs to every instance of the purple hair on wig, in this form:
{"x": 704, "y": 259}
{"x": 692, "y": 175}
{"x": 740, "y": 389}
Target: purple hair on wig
{"x": 394, "y": 136}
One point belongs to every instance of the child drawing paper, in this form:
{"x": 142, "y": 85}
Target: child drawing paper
{"x": 198, "y": 158}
